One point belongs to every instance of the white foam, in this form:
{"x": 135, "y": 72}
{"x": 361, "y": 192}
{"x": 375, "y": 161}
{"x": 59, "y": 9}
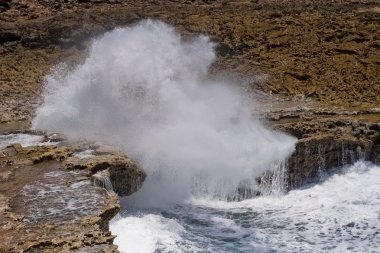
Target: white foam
{"x": 53, "y": 198}
{"x": 225, "y": 223}
{"x": 24, "y": 140}
{"x": 341, "y": 214}
{"x": 84, "y": 154}
{"x": 146, "y": 90}
{"x": 147, "y": 233}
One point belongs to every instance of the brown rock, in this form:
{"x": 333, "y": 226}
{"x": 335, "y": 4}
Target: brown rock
{"x": 124, "y": 174}
{"x": 45, "y": 208}
{"x": 329, "y": 143}
{"x": 331, "y": 46}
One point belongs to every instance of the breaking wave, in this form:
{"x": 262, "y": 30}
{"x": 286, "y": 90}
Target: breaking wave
{"x": 146, "y": 90}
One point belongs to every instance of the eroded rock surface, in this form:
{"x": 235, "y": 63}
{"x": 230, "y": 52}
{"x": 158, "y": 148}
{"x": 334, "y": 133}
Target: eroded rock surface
{"x": 326, "y": 50}
{"x": 50, "y": 203}
{"x": 125, "y": 175}
{"x": 325, "y": 143}
{"x": 309, "y": 54}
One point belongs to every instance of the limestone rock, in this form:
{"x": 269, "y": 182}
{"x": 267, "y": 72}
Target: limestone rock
{"x": 50, "y": 203}
{"x": 125, "y": 175}
{"x": 325, "y": 144}
{"x": 327, "y": 50}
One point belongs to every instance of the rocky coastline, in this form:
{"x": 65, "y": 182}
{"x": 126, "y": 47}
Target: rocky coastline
{"x": 313, "y": 66}
{"x": 55, "y": 197}
{"x": 58, "y": 187}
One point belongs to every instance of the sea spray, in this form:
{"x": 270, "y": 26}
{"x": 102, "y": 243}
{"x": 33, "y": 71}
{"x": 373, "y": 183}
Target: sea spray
{"x": 146, "y": 90}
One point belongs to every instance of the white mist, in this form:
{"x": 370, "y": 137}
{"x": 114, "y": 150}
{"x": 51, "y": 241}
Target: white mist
{"x": 145, "y": 90}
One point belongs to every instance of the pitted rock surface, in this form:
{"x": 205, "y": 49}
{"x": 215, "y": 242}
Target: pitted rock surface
{"x": 44, "y": 207}
{"x": 325, "y": 50}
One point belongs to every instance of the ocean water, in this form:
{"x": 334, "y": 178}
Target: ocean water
{"x": 25, "y": 140}
{"x": 338, "y": 213}
{"x": 146, "y": 90}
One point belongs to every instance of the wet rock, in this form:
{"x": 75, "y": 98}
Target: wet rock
{"x": 47, "y": 209}
{"x": 50, "y": 202}
{"x": 328, "y": 143}
{"x": 102, "y": 179}
{"x": 375, "y": 154}
{"x": 327, "y": 50}
{"x": 50, "y": 153}
{"x": 54, "y": 137}
{"x": 125, "y": 175}
{"x": 318, "y": 154}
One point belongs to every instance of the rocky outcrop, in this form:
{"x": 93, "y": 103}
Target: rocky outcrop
{"x": 329, "y": 143}
{"x": 51, "y": 202}
{"x": 375, "y": 155}
{"x": 326, "y": 50}
{"x": 125, "y": 175}
{"x": 315, "y": 155}
{"x": 323, "y": 51}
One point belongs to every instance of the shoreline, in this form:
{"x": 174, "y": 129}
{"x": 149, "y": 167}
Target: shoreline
{"x": 312, "y": 66}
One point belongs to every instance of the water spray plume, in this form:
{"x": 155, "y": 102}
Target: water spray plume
{"x": 146, "y": 91}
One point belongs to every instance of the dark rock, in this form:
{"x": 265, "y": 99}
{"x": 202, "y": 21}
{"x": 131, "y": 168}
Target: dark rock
{"x": 326, "y": 144}
{"x": 346, "y": 51}
{"x": 9, "y": 36}
{"x": 90, "y": 1}
{"x": 319, "y": 154}
{"x": 5, "y": 5}
{"x": 375, "y": 154}
{"x": 124, "y": 174}
{"x": 299, "y": 76}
